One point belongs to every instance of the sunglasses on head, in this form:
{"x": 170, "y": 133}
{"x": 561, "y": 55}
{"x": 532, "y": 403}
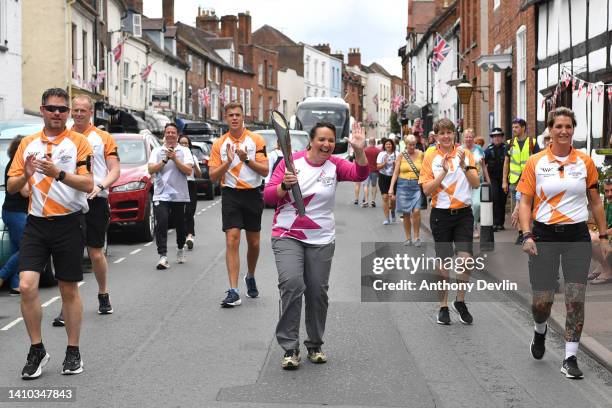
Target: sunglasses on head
{"x": 53, "y": 108}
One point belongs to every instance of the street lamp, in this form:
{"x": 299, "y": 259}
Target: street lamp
{"x": 464, "y": 90}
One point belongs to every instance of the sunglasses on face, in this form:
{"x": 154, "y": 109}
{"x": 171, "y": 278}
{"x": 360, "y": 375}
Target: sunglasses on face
{"x": 53, "y": 108}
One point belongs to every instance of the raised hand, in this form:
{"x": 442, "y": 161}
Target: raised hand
{"x": 229, "y": 149}
{"x": 357, "y": 138}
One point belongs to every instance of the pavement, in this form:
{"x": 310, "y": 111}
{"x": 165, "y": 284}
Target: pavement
{"x": 508, "y": 262}
{"x": 169, "y": 344}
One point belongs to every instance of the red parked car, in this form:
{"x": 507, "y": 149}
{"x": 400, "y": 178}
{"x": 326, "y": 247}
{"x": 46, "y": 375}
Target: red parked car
{"x": 131, "y": 196}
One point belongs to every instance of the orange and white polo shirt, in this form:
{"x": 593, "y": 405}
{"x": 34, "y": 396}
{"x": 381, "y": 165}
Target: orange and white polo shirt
{"x": 455, "y": 191}
{"x": 559, "y": 187}
{"x": 103, "y": 146}
{"x": 71, "y": 152}
{"x": 239, "y": 176}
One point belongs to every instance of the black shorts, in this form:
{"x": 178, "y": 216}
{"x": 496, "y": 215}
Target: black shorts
{"x": 97, "y": 220}
{"x": 384, "y": 183}
{"x": 241, "y": 209}
{"x": 566, "y": 245}
{"x": 450, "y": 227}
{"x": 63, "y": 238}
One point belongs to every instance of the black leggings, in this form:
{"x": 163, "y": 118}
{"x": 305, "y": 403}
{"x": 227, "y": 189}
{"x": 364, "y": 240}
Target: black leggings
{"x": 190, "y": 208}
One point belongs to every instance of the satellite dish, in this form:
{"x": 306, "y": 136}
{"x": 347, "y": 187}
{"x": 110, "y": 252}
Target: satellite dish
{"x": 413, "y": 111}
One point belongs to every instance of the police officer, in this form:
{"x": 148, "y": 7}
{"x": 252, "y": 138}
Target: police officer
{"x": 495, "y": 155}
{"x": 519, "y": 150}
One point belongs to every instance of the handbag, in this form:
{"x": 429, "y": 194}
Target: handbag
{"x": 418, "y": 174}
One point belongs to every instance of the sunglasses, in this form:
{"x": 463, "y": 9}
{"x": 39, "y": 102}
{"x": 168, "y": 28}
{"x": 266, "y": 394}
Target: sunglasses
{"x": 53, "y": 108}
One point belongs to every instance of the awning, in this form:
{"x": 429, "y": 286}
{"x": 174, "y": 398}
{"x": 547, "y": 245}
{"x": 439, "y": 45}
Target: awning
{"x": 496, "y": 62}
{"x": 156, "y": 122}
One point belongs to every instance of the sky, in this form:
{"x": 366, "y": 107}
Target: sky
{"x": 377, "y": 28}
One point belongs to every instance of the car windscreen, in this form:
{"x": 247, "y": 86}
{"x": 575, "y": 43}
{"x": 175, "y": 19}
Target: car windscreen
{"x": 311, "y": 115}
{"x": 197, "y": 152}
{"x": 131, "y": 151}
{"x": 299, "y": 141}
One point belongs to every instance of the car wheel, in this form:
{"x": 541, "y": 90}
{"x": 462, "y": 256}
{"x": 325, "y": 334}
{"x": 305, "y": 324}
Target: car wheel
{"x": 147, "y": 227}
{"x": 210, "y": 192}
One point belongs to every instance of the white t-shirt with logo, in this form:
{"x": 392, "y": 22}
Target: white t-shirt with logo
{"x": 170, "y": 183}
{"x": 390, "y": 162}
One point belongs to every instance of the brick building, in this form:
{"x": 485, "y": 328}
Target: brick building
{"x": 354, "y": 81}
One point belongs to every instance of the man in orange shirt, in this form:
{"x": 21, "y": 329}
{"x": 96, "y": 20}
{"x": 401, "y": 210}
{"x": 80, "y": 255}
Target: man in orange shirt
{"x": 56, "y": 163}
{"x": 239, "y": 160}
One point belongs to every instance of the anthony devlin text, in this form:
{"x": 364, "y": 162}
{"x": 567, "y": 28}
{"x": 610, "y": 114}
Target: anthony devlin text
{"x": 479, "y": 285}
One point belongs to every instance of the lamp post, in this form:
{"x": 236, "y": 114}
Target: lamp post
{"x": 464, "y": 90}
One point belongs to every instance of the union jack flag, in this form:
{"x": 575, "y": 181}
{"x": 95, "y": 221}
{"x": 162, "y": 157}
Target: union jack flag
{"x": 440, "y": 51}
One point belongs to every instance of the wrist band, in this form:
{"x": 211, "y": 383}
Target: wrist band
{"x": 470, "y": 168}
{"x": 603, "y": 236}
{"x": 527, "y": 235}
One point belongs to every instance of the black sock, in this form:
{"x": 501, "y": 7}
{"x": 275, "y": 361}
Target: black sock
{"x": 72, "y": 348}
{"x": 38, "y": 346}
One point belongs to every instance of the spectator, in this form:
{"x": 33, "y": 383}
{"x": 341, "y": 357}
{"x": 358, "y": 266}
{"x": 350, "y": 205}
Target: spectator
{"x": 603, "y": 271}
{"x": 478, "y": 153}
{"x": 494, "y": 158}
{"x": 191, "y": 207}
{"x": 370, "y": 184}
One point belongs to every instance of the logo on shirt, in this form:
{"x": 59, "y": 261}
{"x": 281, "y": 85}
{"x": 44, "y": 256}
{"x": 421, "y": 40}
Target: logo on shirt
{"x": 327, "y": 181}
{"x": 63, "y": 157}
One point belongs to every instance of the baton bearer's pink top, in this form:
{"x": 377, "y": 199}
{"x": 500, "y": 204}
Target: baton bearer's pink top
{"x": 318, "y": 184}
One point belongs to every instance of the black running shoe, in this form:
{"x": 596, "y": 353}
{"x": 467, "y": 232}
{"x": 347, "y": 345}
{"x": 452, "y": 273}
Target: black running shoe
{"x": 519, "y": 240}
{"x": 444, "y": 316}
{"x": 464, "y": 314}
{"x": 252, "y": 291}
{"x": 37, "y": 359}
{"x": 570, "y": 368}
{"x": 59, "y": 320}
{"x": 105, "y": 306}
{"x": 72, "y": 363}
{"x": 232, "y": 299}
{"x": 538, "y": 344}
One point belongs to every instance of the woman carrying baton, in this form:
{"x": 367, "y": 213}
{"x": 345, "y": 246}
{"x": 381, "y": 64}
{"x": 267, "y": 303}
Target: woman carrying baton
{"x": 559, "y": 182}
{"x": 304, "y": 245}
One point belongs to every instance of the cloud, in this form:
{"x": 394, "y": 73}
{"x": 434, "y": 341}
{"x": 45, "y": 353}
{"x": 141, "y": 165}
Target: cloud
{"x": 376, "y": 27}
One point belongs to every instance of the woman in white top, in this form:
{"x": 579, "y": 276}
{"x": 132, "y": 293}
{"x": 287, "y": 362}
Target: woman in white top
{"x": 385, "y": 162}
{"x": 191, "y": 207}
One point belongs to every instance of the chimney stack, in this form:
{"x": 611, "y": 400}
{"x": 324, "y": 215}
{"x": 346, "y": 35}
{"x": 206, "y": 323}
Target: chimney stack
{"x": 135, "y": 5}
{"x": 339, "y": 55}
{"x": 244, "y": 28}
{"x": 323, "y": 48}
{"x": 207, "y": 20}
{"x": 229, "y": 26}
{"x": 168, "y": 12}
{"x": 354, "y": 57}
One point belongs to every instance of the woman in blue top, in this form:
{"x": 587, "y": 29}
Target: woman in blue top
{"x": 478, "y": 153}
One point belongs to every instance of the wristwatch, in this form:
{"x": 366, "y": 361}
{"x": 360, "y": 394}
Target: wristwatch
{"x": 101, "y": 187}
{"x": 61, "y": 175}
{"x": 246, "y": 161}
{"x": 165, "y": 161}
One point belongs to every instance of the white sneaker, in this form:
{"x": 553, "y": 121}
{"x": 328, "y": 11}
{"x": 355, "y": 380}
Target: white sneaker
{"x": 163, "y": 263}
{"x": 180, "y": 256}
{"x": 386, "y": 222}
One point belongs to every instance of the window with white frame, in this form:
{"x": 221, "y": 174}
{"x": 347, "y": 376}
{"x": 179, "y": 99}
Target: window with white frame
{"x": 100, "y": 10}
{"x": 521, "y": 72}
{"x": 234, "y": 94}
{"x": 316, "y": 71}
{"x": 261, "y": 108}
{"x": 270, "y": 104}
{"x": 260, "y": 74}
{"x": 227, "y": 94}
{"x": 190, "y": 61}
{"x": 240, "y": 61}
{"x": 214, "y": 107}
{"x": 137, "y": 25}
{"x": 270, "y": 83}
{"x": 323, "y": 72}
{"x": 217, "y": 75}
{"x": 208, "y": 72}
{"x": 242, "y": 96}
{"x": 497, "y": 92}
{"x": 247, "y": 103}
{"x": 3, "y": 24}
{"x": 126, "y": 79}
{"x": 307, "y": 68}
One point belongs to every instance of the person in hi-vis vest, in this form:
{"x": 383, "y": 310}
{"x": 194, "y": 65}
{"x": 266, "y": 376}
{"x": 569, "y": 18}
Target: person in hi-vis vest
{"x": 520, "y": 147}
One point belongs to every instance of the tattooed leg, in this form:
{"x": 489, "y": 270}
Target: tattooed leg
{"x": 542, "y": 305}
{"x": 574, "y": 305}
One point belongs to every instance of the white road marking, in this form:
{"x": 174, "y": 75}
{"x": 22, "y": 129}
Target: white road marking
{"x": 134, "y": 252}
{"x": 11, "y": 324}
{"x": 148, "y": 243}
{"x": 119, "y": 260}
{"x": 48, "y": 302}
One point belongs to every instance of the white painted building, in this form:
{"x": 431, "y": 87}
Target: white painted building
{"x": 589, "y": 39}
{"x": 317, "y": 72}
{"x": 290, "y": 91}
{"x": 83, "y": 50}
{"x": 444, "y": 96}
{"x": 167, "y": 78}
{"x": 10, "y": 60}
{"x": 377, "y": 101}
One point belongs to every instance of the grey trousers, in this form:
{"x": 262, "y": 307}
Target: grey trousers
{"x": 303, "y": 270}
